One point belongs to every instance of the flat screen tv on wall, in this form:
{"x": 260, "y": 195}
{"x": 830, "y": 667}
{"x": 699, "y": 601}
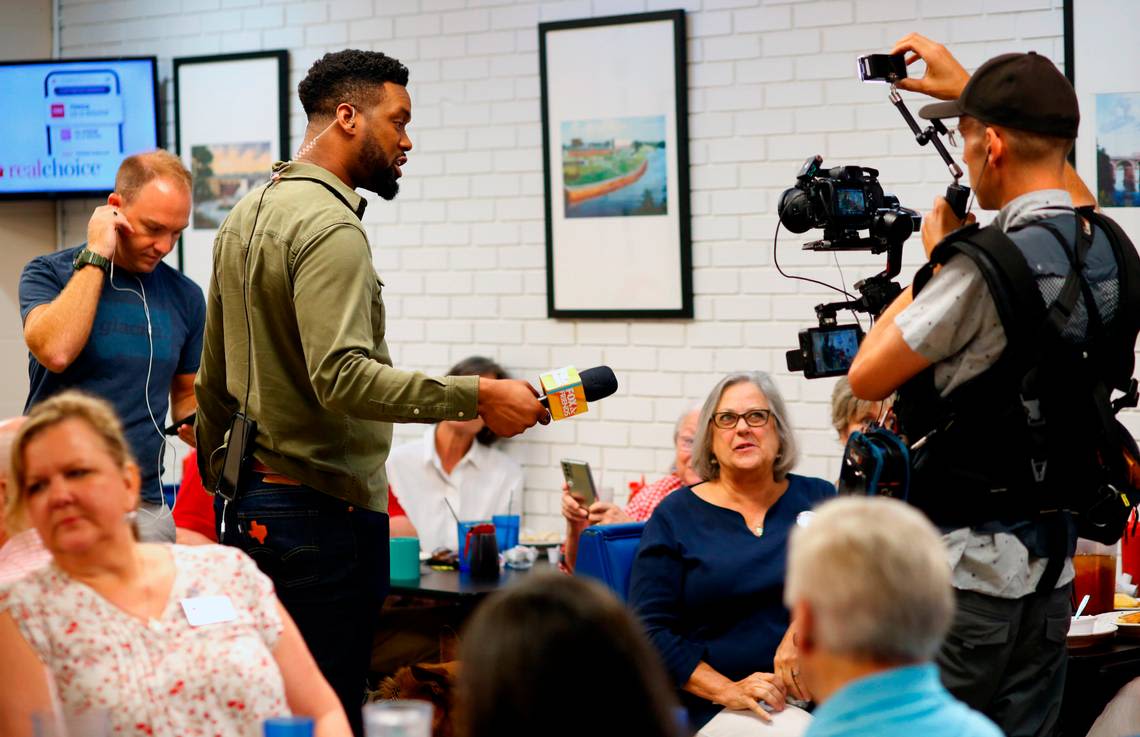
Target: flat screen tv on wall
{"x": 66, "y": 124}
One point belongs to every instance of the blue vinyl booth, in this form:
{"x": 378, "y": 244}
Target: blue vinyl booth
{"x": 605, "y": 552}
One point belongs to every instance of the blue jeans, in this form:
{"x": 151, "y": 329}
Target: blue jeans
{"x": 329, "y": 564}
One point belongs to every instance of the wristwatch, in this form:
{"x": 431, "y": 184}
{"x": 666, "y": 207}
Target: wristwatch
{"x": 87, "y": 256}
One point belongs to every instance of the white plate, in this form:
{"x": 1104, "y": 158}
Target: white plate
{"x": 1114, "y": 617}
{"x": 1102, "y": 630}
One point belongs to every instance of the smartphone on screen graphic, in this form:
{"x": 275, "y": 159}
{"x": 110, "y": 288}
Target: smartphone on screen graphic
{"x": 83, "y": 111}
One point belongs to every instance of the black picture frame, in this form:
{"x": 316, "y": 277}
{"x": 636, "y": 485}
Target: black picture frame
{"x": 634, "y": 259}
{"x": 1067, "y": 22}
{"x": 159, "y": 138}
{"x": 253, "y": 109}
{"x": 1107, "y": 150}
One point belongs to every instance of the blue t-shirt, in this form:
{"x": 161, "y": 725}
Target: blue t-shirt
{"x": 901, "y": 702}
{"x": 113, "y": 365}
{"x": 706, "y": 588}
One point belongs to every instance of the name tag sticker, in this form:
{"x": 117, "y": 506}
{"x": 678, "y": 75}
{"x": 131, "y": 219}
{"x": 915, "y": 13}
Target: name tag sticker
{"x": 203, "y": 610}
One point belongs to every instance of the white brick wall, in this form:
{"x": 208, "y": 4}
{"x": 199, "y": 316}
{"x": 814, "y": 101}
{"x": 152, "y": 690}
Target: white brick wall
{"x": 462, "y": 249}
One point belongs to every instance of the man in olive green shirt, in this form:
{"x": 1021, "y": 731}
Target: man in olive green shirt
{"x": 294, "y": 338}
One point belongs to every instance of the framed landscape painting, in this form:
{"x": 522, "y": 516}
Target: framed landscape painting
{"x": 230, "y": 125}
{"x": 615, "y": 153}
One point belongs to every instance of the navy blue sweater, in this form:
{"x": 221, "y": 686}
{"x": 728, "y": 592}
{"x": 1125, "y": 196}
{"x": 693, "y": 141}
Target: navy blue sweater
{"x": 706, "y": 588}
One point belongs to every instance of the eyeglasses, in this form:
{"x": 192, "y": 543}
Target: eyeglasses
{"x": 753, "y": 418}
{"x": 685, "y": 442}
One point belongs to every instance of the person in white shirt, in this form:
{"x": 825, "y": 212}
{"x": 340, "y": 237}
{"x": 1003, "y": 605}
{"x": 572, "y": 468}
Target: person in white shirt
{"x": 452, "y": 474}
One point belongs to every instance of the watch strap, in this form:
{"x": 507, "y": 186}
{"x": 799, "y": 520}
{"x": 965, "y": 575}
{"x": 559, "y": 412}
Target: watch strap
{"x": 87, "y": 256}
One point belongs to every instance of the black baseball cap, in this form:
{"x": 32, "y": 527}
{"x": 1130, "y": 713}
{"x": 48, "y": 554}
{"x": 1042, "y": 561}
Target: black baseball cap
{"x": 1022, "y": 91}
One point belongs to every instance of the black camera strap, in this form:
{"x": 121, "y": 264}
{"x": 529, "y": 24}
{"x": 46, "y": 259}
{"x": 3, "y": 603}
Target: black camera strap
{"x": 241, "y": 441}
{"x": 358, "y": 212}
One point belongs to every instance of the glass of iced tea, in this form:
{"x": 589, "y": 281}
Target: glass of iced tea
{"x": 1095, "y": 567}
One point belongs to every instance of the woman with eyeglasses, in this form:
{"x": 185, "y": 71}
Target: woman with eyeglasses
{"x": 708, "y": 578}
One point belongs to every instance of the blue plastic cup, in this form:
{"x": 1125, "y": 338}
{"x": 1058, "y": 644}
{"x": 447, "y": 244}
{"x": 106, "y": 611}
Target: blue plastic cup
{"x": 288, "y": 727}
{"x": 461, "y": 530}
{"x": 404, "y": 558}
{"x": 506, "y": 530}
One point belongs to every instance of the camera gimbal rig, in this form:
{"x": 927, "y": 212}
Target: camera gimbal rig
{"x": 957, "y": 195}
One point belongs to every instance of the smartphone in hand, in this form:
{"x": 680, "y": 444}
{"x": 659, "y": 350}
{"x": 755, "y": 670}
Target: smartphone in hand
{"x": 187, "y": 420}
{"x": 579, "y": 480}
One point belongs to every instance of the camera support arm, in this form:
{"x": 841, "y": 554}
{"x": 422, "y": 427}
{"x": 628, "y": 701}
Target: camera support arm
{"x": 957, "y": 195}
{"x": 876, "y": 292}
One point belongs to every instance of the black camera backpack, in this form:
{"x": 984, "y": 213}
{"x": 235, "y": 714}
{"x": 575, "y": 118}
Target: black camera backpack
{"x": 1077, "y": 457}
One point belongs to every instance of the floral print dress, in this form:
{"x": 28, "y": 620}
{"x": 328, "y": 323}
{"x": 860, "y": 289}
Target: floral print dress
{"x": 162, "y": 677}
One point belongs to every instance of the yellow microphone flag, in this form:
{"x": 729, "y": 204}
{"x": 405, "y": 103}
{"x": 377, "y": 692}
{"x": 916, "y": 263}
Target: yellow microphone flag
{"x": 564, "y": 392}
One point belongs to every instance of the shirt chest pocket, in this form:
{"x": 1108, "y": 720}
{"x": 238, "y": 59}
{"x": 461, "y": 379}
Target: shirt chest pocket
{"x": 378, "y": 327}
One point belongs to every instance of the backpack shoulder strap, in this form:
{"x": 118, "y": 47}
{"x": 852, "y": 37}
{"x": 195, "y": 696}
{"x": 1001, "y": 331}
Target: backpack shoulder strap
{"x": 1010, "y": 280}
{"x": 1124, "y": 327}
{"x": 1061, "y": 309}
{"x": 1127, "y": 260}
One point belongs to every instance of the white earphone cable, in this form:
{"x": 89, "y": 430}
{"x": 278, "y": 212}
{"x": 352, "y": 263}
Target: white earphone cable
{"x": 166, "y": 510}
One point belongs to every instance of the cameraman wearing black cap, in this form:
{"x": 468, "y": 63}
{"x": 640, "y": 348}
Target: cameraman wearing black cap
{"x": 942, "y": 344}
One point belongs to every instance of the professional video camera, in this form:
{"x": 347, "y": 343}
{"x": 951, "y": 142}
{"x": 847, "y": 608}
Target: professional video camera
{"x": 843, "y": 201}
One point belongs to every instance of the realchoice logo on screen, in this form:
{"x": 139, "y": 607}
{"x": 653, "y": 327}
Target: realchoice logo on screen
{"x": 51, "y": 168}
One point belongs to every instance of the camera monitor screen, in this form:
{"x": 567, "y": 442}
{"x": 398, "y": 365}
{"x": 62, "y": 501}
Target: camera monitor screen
{"x": 833, "y": 350}
{"x": 72, "y": 122}
{"x": 849, "y": 201}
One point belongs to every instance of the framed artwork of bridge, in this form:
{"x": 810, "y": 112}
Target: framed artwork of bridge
{"x": 231, "y": 123}
{"x": 616, "y": 163}
{"x": 1101, "y": 62}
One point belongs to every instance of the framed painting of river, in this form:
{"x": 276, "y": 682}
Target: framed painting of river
{"x": 616, "y": 163}
{"x": 1101, "y": 64}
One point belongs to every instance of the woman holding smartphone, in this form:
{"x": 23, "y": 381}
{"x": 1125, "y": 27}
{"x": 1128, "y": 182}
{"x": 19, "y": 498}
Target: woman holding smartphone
{"x": 580, "y": 512}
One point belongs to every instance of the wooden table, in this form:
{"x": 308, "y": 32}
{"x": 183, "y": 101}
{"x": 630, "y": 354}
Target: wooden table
{"x": 1093, "y": 677}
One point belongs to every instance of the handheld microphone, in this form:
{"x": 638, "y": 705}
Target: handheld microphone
{"x": 568, "y": 392}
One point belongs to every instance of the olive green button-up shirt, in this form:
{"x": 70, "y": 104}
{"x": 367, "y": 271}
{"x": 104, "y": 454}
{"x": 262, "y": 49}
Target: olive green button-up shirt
{"x": 321, "y": 384}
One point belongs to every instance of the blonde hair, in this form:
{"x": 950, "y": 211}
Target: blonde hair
{"x": 137, "y": 170}
{"x": 875, "y": 575}
{"x": 69, "y": 405}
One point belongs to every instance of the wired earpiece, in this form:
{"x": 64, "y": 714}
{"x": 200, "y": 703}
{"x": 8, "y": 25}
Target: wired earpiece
{"x": 165, "y": 443}
{"x": 978, "y": 183}
{"x": 306, "y": 148}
